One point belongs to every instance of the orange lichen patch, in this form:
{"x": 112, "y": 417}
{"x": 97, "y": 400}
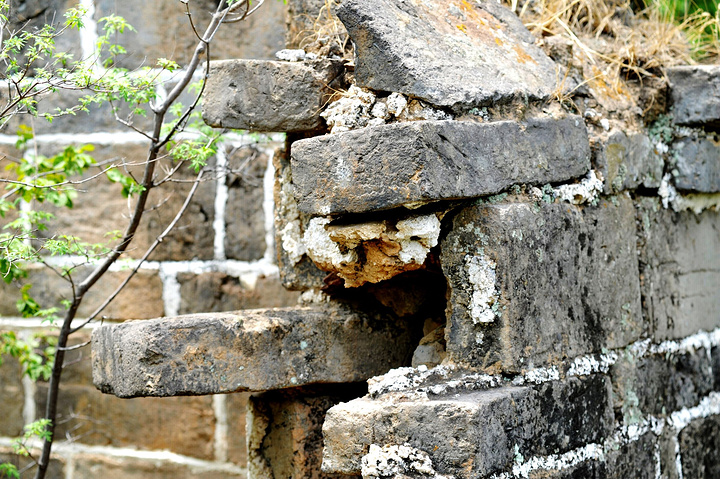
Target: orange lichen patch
{"x": 462, "y": 28}
{"x": 499, "y": 42}
{"x": 522, "y": 56}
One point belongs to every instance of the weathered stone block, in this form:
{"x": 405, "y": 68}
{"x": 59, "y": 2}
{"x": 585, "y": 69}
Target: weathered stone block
{"x": 700, "y": 448}
{"x": 695, "y": 94}
{"x": 499, "y": 58}
{"x": 244, "y": 213}
{"x": 590, "y": 469}
{"x": 471, "y": 434}
{"x": 532, "y": 284}
{"x": 259, "y": 36}
{"x": 263, "y": 95}
{"x": 285, "y": 429}
{"x": 636, "y": 459}
{"x": 628, "y": 161}
{"x": 118, "y": 466}
{"x": 213, "y": 292}
{"x": 696, "y": 163}
{"x": 255, "y": 350}
{"x": 236, "y": 405}
{"x": 12, "y": 397}
{"x": 49, "y": 290}
{"x": 680, "y": 269}
{"x": 184, "y": 425}
{"x": 659, "y": 384}
{"x": 398, "y": 164}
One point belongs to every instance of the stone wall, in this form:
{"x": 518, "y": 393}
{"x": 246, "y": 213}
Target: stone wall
{"x": 220, "y": 258}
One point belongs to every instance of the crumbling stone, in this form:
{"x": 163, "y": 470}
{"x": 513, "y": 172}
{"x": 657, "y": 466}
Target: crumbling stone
{"x": 628, "y": 161}
{"x": 496, "y": 424}
{"x": 695, "y": 94}
{"x": 700, "y": 448}
{"x": 252, "y": 350}
{"x": 413, "y": 47}
{"x": 400, "y": 164}
{"x": 680, "y": 269}
{"x": 531, "y": 284}
{"x": 263, "y": 95}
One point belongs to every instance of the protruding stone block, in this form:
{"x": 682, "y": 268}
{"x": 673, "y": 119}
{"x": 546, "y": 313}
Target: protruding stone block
{"x": 264, "y": 95}
{"x": 695, "y": 94}
{"x": 697, "y": 164}
{"x": 448, "y": 52}
{"x": 255, "y": 350}
{"x": 628, "y": 161}
{"x": 472, "y": 433}
{"x": 531, "y": 284}
{"x": 399, "y": 164}
{"x": 680, "y": 269}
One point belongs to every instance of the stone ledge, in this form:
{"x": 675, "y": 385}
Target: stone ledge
{"x": 255, "y": 350}
{"x": 471, "y": 434}
{"x": 265, "y": 95}
{"x": 399, "y": 164}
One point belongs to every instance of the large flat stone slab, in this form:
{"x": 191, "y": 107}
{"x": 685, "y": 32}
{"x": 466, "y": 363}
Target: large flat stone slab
{"x": 627, "y": 161}
{"x": 254, "y": 350}
{"x": 397, "y": 164}
{"x": 265, "y": 95}
{"x": 471, "y": 434}
{"x": 695, "y": 94}
{"x": 680, "y": 268}
{"x": 533, "y": 284}
{"x": 450, "y": 53}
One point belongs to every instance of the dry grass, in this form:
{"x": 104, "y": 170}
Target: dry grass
{"x": 616, "y": 44}
{"x": 326, "y": 34}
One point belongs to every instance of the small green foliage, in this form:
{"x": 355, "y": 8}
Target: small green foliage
{"x": 9, "y": 470}
{"x": 36, "y": 355}
{"x": 130, "y": 187}
{"x": 662, "y": 129}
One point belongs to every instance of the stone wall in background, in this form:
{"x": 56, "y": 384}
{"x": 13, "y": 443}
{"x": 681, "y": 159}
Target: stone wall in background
{"x": 220, "y": 258}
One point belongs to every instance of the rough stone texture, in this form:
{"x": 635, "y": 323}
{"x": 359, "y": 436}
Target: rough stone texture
{"x": 236, "y": 421}
{"x": 471, "y": 434}
{"x": 259, "y": 36}
{"x": 285, "y": 432}
{"x": 715, "y": 355}
{"x": 700, "y": 448}
{"x": 184, "y": 425}
{"x": 11, "y": 397}
{"x": 393, "y": 52}
{"x": 680, "y": 269}
{"x": 564, "y": 282}
{"x": 263, "y": 95}
{"x": 628, "y": 161}
{"x": 696, "y": 164}
{"x": 636, "y": 459}
{"x": 585, "y": 470}
{"x": 214, "y": 292}
{"x": 405, "y": 163}
{"x": 660, "y": 384}
{"x": 297, "y": 271}
{"x": 49, "y": 289}
{"x": 255, "y": 350}
{"x": 695, "y": 94}
{"x": 244, "y": 215}
{"x": 127, "y": 467}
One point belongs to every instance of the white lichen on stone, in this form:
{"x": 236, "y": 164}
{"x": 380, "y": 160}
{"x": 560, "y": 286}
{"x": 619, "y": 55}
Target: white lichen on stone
{"x": 542, "y": 375}
{"x": 417, "y": 235}
{"x": 289, "y": 55}
{"x": 481, "y": 276}
{"x": 555, "y": 462}
{"x": 321, "y": 248}
{"x": 392, "y": 461}
{"x": 396, "y": 104}
{"x": 287, "y": 211}
{"x": 313, "y": 296}
{"x": 351, "y": 111}
{"x": 579, "y": 193}
{"x": 585, "y": 365}
{"x": 695, "y": 202}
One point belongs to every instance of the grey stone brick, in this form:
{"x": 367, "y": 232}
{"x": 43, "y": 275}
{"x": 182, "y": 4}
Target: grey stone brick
{"x": 252, "y": 350}
{"x": 472, "y": 434}
{"x": 700, "y": 448}
{"x": 499, "y": 58}
{"x": 695, "y": 94}
{"x": 680, "y": 269}
{"x": 397, "y": 164}
{"x": 696, "y": 163}
{"x": 628, "y": 161}
{"x": 534, "y": 283}
{"x": 264, "y": 95}
{"x": 636, "y": 459}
